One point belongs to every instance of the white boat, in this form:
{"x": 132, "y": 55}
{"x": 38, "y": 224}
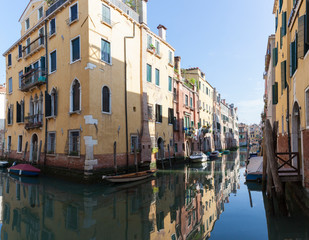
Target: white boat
{"x": 198, "y": 157}
{"x": 130, "y": 177}
{"x": 215, "y": 154}
{"x": 4, "y": 164}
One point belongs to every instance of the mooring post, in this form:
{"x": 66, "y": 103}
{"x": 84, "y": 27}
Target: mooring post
{"x": 2, "y": 154}
{"x": 115, "y": 158}
{"x": 169, "y": 155}
{"x": 264, "y": 164}
{"x": 135, "y": 157}
{"x": 271, "y": 158}
{"x": 40, "y": 148}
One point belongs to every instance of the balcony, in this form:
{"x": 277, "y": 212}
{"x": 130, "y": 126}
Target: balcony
{"x": 34, "y": 78}
{"x": 34, "y": 47}
{"x": 34, "y": 121}
{"x": 55, "y": 5}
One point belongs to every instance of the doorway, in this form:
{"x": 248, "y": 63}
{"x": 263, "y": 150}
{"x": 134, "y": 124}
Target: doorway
{"x": 34, "y": 148}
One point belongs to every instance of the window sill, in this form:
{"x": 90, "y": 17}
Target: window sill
{"x": 107, "y": 113}
{"x": 171, "y": 65}
{"x": 74, "y": 21}
{"x": 51, "y": 154}
{"x": 78, "y": 60}
{"x": 75, "y": 112}
{"x": 19, "y": 58}
{"x": 20, "y": 123}
{"x": 158, "y": 56}
{"x": 150, "y": 51}
{"x": 19, "y": 152}
{"x": 293, "y": 76}
{"x": 158, "y": 122}
{"x": 8, "y": 67}
{"x": 52, "y": 72}
{"x": 51, "y": 117}
{"x": 106, "y": 24}
{"x": 110, "y": 64}
{"x": 69, "y": 156}
{"x": 52, "y": 35}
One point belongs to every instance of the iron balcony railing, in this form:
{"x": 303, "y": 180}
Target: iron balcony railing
{"x": 54, "y": 5}
{"x": 34, "y": 121}
{"x": 34, "y": 46}
{"x": 35, "y": 77}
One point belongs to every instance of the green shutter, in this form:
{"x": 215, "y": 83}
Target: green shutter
{"x": 291, "y": 59}
{"x": 275, "y": 56}
{"x": 283, "y": 76}
{"x": 280, "y": 5}
{"x": 307, "y": 23}
{"x": 281, "y": 36}
{"x": 284, "y": 23}
{"x": 301, "y": 36}
{"x": 275, "y": 93}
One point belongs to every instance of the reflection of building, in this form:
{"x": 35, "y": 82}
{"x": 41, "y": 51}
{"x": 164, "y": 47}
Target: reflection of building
{"x": 2, "y": 114}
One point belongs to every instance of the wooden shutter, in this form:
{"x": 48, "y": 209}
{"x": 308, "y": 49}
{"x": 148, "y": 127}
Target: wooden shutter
{"x": 160, "y": 115}
{"x": 283, "y": 76}
{"x": 23, "y": 111}
{"x": 283, "y": 23}
{"x": 47, "y": 105}
{"x": 301, "y": 37}
{"x": 18, "y": 112}
{"x": 307, "y": 23}
{"x": 56, "y": 103}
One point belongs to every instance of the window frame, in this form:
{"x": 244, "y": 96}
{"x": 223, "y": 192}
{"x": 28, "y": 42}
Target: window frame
{"x": 48, "y": 143}
{"x": 131, "y": 143}
{"x": 20, "y": 79}
{"x": 9, "y": 60}
{"x": 20, "y": 51}
{"x": 27, "y": 25}
{"x": 170, "y": 57}
{"x": 148, "y": 65}
{"x": 52, "y": 33}
{"x": 50, "y": 62}
{"x": 307, "y": 107}
{"x": 39, "y": 12}
{"x": 20, "y": 144}
{"x": 70, "y": 13}
{"x": 170, "y": 83}
{"x": 110, "y": 18}
{"x": 157, "y": 80}
{"x": 72, "y": 97}
{"x": 110, "y": 100}
{"x": 71, "y": 49}
{"x": 9, "y": 146}
{"x": 10, "y": 85}
{"x": 71, "y": 143}
{"x": 110, "y": 52}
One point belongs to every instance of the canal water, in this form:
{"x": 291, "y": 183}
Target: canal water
{"x": 204, "y": 201}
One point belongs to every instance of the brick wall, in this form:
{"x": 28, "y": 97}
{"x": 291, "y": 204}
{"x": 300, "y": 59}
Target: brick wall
{"x": 306, "y": 156}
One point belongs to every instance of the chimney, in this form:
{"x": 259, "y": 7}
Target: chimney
{"x": 143, "y": 11}
{"x": 177, "y": 63}
{"x": 162, "y": 32}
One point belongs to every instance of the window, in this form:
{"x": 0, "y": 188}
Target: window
{"x": 158, "y": 113}
{"x": 72, "y": 218}
{"x": 74, "y": 12}
{"x": 170, "y": 84}
{"x": 106, "y": 100}
{"x": 20, "y": 51}
{"x": 293, "y": 56}
{"x": 53, "y": 61}
{"x": 191, "y": 102}
{"x": 186, "y": 100}
{"x": 10, "y": 115}
{"x": 150, "y": 114}
{"x": 52, "y": 27}
{"x": 20, "y": 144}
{"x": 149, "y": 42}
{"x": 20, "y": 111}
{"x": 157, "y": 77}
{"x": 75, "y": 96}
{"x": 51, "y": 103}
{"x": 149, "y": 73}
{"x": 41, "y": 36}
{"x": 134, "y": 141}
{"x": 170, "y": 57}
{"x": 40, "y": 13}
{"x": 10, "y": 85}
{"x": 74, "y": 142}
{"x": 20, "y": 77}
{"x": 283, "y": 76}
{"x": 28, "y": 46}
{"x": 51, "y": 143}
{"x": 105, "y": 51}
{"x": 307, "y": 107}
{"x": 170, "y": 116}
{"x": 106, "y": 14}
{"x": 9, "y": 143}
{"x": 9, "y": 60}
{"x": 27, "y": 24}
{"x": 75, "y": 49}
{"x": 157, "y": 46}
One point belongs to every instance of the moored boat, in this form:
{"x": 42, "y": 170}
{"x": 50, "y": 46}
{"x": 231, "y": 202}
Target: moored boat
{"x": 130, "y": 177}
{"x": 254, "y": 171}
{"x": 24, "y": 170}
{"x": 226, "y": 152}
{"x": 198, "y": 157}
{"x": 215, "y": 154}
{"x": 4, "y": 164}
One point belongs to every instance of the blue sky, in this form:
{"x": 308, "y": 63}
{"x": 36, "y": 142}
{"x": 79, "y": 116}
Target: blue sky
{"x": 226, "y": 39}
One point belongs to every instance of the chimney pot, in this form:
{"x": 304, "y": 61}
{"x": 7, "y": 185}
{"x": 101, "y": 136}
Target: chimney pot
{"x": 162, "y": 32}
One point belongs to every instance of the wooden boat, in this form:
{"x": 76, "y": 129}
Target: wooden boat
{"x": 198, "y": 157}
{"x": 4, "y": 164}
{"x": 130, "y": 177}
{"x": 254, "y": 171}
{"x": 24, "y": 170}
{"x": 215, "y": 154}
{"x": 226, "y": 152}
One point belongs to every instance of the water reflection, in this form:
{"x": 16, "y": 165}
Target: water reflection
{"x": 178, "y": 204}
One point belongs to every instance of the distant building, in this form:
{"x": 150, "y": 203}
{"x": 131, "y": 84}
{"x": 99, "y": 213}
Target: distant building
{"x": 2, "y": 115}
{"x": 243, "y": 135}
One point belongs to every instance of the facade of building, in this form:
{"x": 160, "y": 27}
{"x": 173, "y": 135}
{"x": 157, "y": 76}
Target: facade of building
{"x": 290, "y": 90}
{"x": 217, "y": 124}
{"x": 2, "y": 116}
{"x": 243, "y": 135}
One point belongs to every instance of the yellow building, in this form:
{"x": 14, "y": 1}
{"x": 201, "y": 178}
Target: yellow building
{"x": 77, "y": 81}
{"x": 291, "y": 87}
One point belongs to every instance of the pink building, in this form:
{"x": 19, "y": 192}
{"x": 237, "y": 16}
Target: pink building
{"x": 186, "y": 114}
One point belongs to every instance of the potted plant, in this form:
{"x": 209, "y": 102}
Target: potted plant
{"x": 152, "y": 47}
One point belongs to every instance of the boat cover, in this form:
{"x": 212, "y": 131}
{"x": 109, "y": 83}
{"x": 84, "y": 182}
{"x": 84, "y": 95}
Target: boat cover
{"x": 25, "y": 167}
{"x": 255, "y": 165}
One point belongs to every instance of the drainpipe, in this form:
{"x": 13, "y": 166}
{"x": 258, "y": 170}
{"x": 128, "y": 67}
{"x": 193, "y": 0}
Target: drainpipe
{"x": 125, "y": 92}
{"x": 288, "y": 119}
{"x": 46, "y": 76}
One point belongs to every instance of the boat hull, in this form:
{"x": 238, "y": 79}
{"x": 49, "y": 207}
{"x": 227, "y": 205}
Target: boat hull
{"x": 4, "y": 164}
{"x": 132, "y": 177}
{"x": 23, "y": 173}
{"x": 256, "y": 177}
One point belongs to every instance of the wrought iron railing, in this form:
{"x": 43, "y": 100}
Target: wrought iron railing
{"x": 33, "y": 46}
{"x": 33, "y": 78}
{"x": 34, "y": 121}
{"x": 54, "y": 6}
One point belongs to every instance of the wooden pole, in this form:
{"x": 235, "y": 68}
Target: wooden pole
{"x": 271, "y": 158}
{"x": 40, "y": 148}
{"x": 115, "y": 158}
{"x": 264, "y": 164}
{"x": 169, "y": 155}
{"x": 269, "y": 181}
{"x": 275, "y": 132}
{"x": 135, "y": 157}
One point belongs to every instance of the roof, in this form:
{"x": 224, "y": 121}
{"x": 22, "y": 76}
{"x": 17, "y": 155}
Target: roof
{"x": 2, "y": 89}
{"x": 275, "y": 6}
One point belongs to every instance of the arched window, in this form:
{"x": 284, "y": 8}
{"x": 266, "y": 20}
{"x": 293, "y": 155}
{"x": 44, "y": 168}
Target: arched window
{"x": 75, "y": 96}
{"x": 106, "y": 101}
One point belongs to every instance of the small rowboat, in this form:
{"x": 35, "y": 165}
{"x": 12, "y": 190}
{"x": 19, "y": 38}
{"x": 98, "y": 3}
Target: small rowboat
{"x": 4, "y": 164}
{"x": 198, "y": 157}
{"x": 24, "y": 170}
{"x": 215, "y": 154}
{"x": 130, "y": 177}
